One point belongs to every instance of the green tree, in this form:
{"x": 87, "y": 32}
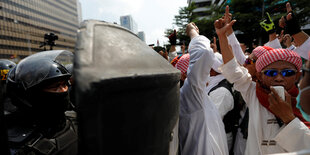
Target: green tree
{"x": 249, "y": 13}
{"x": 184, "y": 17}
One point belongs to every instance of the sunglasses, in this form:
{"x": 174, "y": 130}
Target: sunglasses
{"x": 304, "y": 70}
{"x": 284, "y": 72}
{"x": 249, "y": 61}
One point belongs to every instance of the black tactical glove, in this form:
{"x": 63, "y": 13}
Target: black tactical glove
{"x": 173, "y": 38}
{"x": 292, "y": 26}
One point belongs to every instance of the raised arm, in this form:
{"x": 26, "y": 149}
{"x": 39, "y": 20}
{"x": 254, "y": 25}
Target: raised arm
{"x": 292, "y": 27}
{"x": 232, "y": 71}
{"x": 222, "y": 26}
{"x": 232, "y": 39}
{"x": 270, "y": 28}
{"x": 201, "y": 57}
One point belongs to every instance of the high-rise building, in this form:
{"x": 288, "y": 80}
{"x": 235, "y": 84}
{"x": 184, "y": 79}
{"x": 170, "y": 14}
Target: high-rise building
{"x": 24, "y": 23}
{"x": 141, "y": 35}
{"x": 79, "y": 11}
{"x": 203, "y": 6}
{"x": 129, "y": 23}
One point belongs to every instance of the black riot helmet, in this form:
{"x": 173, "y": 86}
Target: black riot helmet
{"x": 6, "y": 64}
{"x": 5, "y": 67}
{"x": 27, "y": 79}
{"x": 69, "y": 68}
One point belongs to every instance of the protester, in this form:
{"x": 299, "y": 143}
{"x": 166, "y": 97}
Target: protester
{"x": 267, "y": 111}
{"x": 221, "y": 94}
{"x": 183, "y": 48}
{"x": 173, "y": 41}
{"x": 288, "y": 42}
{"x": 292, "y": 27}
{"x": 304, "y": 99}
{"x": 302, "y": 42}
{"x": 201, "y": 130}
{"x": 162, "y": 51}
{"x": 182, "y": 65}
{"x": 270, "y": 28}
{"x": 5, "y": 101}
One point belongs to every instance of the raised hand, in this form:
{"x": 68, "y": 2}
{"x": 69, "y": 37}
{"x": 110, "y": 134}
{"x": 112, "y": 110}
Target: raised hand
{"x": 228, "y": 17}
{"x": 268, "y": 24}
{"x": 289, "y": 22}
{"x": 173, "y": 38}
{"x": 224, "y": 25}
{"x": 213, "y": 45}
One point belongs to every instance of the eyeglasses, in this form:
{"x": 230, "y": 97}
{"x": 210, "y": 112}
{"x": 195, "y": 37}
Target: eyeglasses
{"x": 249, "y": 61}
{"x": 284, "y": 72}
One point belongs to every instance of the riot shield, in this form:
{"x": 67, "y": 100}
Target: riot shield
{"x": 127, "y": 94}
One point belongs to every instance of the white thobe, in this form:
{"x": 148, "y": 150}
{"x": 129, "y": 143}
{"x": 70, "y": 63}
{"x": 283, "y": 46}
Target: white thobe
{"x": 274, "y": 44}
{"x": 224, "y": 102}
{"x": 304, "y": 49}
{"x": 236, "y": 48}
{"x": 264, "y": 134}
{"x": 201, "y": 130}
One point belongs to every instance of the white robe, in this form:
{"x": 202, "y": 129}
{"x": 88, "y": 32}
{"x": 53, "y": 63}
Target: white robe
{"x": 264, "y": 134}
{"x": 303, "y": 50}
{"x": 201, "y": 130}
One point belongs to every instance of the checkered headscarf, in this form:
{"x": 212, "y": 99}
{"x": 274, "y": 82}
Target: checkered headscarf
{"x": 260, "y": 50}
{"x": 278, "y": 55}
{"x": 183, "y": 63}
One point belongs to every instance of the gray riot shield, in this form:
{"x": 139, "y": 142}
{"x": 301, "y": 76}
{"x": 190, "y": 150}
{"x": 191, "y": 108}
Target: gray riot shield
{"x": 127, "y": 94}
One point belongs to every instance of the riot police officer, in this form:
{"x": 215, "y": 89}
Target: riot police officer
{"x": 5, "y": 67}
{"x": 5, "y": 106}
{"x": 38, "y": 87}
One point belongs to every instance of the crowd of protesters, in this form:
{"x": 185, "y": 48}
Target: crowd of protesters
{"x": 230, "y": 102}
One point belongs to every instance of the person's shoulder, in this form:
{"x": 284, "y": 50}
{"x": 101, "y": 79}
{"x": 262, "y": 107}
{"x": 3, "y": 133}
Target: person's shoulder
{"x": 202, "y": 38}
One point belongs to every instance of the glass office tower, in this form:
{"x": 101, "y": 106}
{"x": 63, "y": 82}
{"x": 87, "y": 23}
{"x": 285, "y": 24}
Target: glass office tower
{"x": 23, "y": 24}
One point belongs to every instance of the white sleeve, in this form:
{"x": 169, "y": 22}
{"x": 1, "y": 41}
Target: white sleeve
{"x": 223, "y": 100}
{"x": 217, "y": 63}
{"x": 201, "y": 61}
{"x": 294, "y": 136}
{"x": 304, "y": 49}
{"x": 239, "y": 76}
{"x": 236, "y": 48}
{"x": 274, "y": 44}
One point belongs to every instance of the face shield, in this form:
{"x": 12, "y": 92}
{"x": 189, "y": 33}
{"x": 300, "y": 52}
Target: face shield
{"x": 40, "y": 67}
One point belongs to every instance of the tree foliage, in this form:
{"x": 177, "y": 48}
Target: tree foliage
{"x": 184, "y": 17}
{"x": 248, "y": 13}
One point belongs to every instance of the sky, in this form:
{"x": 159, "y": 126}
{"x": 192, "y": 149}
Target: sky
{"x": 152, "y": 16}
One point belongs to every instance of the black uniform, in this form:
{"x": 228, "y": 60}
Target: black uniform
{"x": 39, "y": 125}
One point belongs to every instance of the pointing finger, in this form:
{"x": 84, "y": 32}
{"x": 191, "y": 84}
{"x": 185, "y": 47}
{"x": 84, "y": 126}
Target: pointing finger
{"x": 288, "y": 7}
{"x": 227, "y": 11}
